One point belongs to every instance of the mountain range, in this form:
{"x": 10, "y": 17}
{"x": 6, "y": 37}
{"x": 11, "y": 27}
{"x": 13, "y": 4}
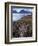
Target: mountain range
{"x": 22, "y": 11}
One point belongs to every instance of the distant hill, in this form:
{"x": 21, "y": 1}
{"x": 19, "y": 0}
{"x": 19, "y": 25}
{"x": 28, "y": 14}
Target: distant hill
{"x": 27, "y": 17}
{"x": 23, "y": 11}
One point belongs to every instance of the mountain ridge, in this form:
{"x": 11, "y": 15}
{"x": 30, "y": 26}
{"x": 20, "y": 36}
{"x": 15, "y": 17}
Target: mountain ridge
{"x": 22, "y": 11}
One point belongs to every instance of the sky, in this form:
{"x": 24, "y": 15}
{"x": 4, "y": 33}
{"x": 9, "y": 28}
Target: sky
{"x": 17, "y": 16}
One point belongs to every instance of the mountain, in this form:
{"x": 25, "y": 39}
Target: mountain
{"x": 24, "y": 18}
{"x": 27, "y": 17}
{"x": 23, "y": 11}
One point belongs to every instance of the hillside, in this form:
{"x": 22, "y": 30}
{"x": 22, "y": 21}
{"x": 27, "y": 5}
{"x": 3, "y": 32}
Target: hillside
{"x": 25, "y": 19}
